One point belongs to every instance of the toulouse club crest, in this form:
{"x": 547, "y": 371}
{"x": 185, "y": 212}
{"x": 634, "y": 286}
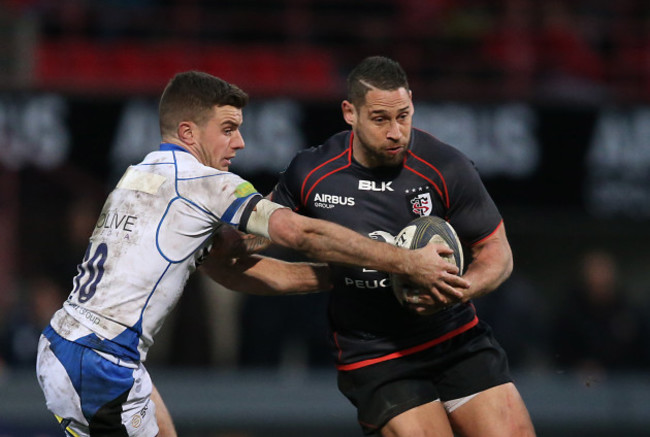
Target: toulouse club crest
{"x": 420, "y": 201}
{"x": 421, "y": 204}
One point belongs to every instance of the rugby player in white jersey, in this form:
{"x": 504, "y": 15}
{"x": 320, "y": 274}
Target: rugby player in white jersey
{"x": 167, "y": 215}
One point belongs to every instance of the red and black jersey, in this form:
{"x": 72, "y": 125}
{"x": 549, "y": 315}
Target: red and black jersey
{"x": 368, "y": 323}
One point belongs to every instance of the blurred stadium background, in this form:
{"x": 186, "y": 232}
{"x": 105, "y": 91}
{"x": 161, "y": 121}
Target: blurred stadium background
{"x": 550, "y": 98}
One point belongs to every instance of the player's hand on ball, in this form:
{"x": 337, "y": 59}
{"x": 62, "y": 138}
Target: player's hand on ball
{"x": 436, "y": 255}
{"x": 437, "y": 278}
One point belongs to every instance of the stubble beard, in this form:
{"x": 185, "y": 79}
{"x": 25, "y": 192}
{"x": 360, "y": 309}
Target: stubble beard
{"x": 381, "y": 158}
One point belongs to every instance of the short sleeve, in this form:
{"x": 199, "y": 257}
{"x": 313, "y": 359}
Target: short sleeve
{"x": 472, "y": 212}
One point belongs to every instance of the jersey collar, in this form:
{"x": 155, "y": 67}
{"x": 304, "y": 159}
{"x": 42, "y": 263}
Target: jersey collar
{"x": 172, "y": 147}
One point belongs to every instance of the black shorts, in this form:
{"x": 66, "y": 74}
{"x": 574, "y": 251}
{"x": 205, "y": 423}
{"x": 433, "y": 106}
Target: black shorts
{"x": 461, "y": 366}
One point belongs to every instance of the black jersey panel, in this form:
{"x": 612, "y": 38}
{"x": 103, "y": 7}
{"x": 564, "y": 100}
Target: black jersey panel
{"x": 468, "y": 206}
{"x": 308, "y": 168}
{"x": 326, "y": 182}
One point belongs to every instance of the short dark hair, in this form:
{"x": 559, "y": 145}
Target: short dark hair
{"x": 189, "y": 96}
{"x": 377, "y": 71}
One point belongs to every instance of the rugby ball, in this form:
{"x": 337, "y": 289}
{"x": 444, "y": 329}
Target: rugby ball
{"x": 417, "y": 234}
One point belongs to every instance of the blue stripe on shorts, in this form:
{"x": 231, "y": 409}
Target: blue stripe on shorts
{"x": 96, "y": 380}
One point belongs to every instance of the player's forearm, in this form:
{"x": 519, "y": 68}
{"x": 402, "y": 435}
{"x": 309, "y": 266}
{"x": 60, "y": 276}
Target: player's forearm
{"x": 305, "y": 278}
{"x": 328, "y": 242}
{"x": 268, "y": 276}
{"x": 281, "y": 277}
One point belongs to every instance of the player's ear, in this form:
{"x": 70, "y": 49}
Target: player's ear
{"x": 185, "y": 132}
{"x": 349, "y": 112}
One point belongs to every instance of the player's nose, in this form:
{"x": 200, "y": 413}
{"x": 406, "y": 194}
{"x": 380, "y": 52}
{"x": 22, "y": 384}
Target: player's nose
{"x": 394, "y": 132}
{"x": 238, "y": 141}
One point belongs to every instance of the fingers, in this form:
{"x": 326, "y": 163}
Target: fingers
{"x": 437, "y": 278}
{"x": 440, "y": 249}
{"x": 456, "y": 281}
{"x": 438, "y": 254}
{"x": 434, "y": 296}
{"x": 443, "y": 249}
{"x": 448, "y": 293}
{"x": 447, "y": 286}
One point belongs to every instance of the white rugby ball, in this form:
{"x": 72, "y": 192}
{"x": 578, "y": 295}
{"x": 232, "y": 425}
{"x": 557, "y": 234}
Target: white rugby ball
{"x": 417, "y": 234}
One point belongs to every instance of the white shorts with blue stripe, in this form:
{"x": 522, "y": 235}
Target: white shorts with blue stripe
{"x": 93, "y": 393}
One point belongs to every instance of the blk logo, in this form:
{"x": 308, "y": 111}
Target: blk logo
{"x": 375, "y": 186}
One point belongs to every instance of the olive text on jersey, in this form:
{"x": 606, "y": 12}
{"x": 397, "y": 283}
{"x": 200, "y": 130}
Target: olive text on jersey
{"x": 115, "y": 220}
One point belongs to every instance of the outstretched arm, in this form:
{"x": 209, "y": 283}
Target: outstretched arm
{"x": 261, "y": 275}
{"x": 329, "y": 242}
{"x": 231, "y": 264}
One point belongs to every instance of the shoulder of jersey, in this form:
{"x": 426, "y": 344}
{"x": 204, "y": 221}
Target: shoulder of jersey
{"x": 316, "y": 155}
{"x": 427, "y": 151}
{"x": 425, "y": 144}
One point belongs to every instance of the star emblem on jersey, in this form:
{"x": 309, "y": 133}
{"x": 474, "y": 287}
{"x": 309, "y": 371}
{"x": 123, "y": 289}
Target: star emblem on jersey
{"x": 419, "y": 200}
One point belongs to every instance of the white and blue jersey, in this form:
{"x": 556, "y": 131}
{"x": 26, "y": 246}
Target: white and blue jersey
{"x": 153, "y": 231}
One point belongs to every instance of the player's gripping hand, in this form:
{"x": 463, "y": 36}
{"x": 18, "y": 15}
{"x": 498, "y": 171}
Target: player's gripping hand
{"x": 229, "y": 243}
{"x": 436, "y": 279}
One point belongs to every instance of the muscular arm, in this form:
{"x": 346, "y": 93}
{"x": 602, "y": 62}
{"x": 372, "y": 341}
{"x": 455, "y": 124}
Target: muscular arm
{"x": 256, "y": 274}
{"x": 231, "y": 264}
{"x": 491, "y": 264}
{"x": 329, "y": 242}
